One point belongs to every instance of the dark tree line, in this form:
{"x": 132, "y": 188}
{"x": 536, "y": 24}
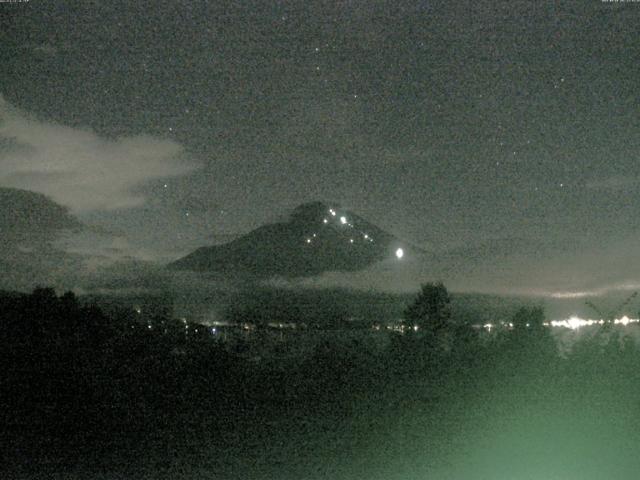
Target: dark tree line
{"x": 75, "y": 379}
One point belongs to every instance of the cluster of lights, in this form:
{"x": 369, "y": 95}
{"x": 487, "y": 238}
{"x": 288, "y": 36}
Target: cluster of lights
{"x": 281, "y": 325}
{"x": 343, "y": 221}
{"x": 189, "y": 327}
{"x": 575, "y": 323}
{"x": 398, "y": 327}
{"x": 572, "y": 323}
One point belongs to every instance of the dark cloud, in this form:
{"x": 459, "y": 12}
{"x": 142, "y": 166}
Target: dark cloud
{"x": 30, "y": 225}
{"x": 30, "y": 220}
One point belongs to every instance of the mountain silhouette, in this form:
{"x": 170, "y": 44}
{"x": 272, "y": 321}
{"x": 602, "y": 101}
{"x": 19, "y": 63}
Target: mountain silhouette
{"x": 317, "y": 237}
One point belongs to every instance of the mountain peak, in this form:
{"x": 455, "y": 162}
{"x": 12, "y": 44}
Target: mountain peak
{"x": 316, "y": 237}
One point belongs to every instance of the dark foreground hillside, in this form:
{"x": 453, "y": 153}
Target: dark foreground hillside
{"x": 90, "y": 396}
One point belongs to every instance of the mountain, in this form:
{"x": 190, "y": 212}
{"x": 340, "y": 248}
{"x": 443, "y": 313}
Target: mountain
{"x": 316, "y": 237}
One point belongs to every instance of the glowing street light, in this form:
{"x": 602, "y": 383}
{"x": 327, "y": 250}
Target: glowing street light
{"x": 399, "y": 253}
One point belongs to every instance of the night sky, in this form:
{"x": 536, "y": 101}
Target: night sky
{"x": 502, "y": 137}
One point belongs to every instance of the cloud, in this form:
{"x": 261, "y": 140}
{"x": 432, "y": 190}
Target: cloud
{"x": 80, "y": 169}
{"x": 30, "y": 219}
{"x": 506, "y": 266}
{"x": 30, "y": 225}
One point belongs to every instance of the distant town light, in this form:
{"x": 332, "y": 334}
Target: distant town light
{"x": 325, "y": 221}
{"x": 399, "y": 253}
{"x": 343, "y": 220}
{"x": 575, "y": 323}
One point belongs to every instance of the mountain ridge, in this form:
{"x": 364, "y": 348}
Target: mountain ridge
{"x": 316, "y": 237}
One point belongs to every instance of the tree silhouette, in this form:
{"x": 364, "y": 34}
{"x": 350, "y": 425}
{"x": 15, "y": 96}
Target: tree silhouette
{"x": 430, "y": 311}
{"x": 529, "y": 337}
